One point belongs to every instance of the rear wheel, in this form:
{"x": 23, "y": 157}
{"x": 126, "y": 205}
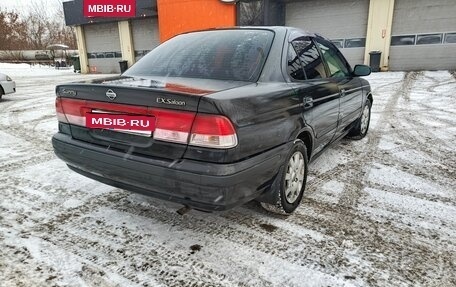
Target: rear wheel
{"x": 361, "y": 127}
{"x": 288, "y": 188}
{"x": 1, "y": 92}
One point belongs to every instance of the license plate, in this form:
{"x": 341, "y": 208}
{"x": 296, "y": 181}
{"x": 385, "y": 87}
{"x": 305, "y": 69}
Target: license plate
{"x": 134, "y": 124}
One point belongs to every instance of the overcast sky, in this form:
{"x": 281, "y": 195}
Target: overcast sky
{"x": 24, "y": 6}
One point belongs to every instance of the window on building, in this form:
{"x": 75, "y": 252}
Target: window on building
{"x": 336, "y": 64}
{"x": 339, "y": 43}
{"x": 141, "y": 53}
{"x": 425, "y": 39}
{"x": 404, "y": 40}
{"x": 450, "y": 38}
{"x": 118, "y": 54}
{"x": 294, "y": 65}
{"x": 310, "y": 58}
{"x": 355, "y": 43}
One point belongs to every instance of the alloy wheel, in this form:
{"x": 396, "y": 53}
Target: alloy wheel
{"x": 294, "y": 178}
{"x": 365, "y": 119}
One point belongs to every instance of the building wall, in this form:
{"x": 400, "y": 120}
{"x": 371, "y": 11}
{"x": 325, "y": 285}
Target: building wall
{"x": 341, "y": 20}
{"x": 429, "y": 25}
{"x": 378, "y": 37}
{"x": 334, "y": 18}
{"x": 424, "y": 16}
{"x": 145, "y": 36}
{"x": 179, "y": 16}
{"x": 351, "y": 24}
{"x": 420, "y": 20}
{"x": 103, "y": 47}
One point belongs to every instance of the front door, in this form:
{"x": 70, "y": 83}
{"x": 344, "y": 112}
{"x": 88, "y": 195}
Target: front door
{"x": 349, "y": 87}
{"x": 319, "y": 94}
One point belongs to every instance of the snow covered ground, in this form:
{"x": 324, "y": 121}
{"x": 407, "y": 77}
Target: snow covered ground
{"x": 27, "y": 70}
{"x": 377, "y": 212}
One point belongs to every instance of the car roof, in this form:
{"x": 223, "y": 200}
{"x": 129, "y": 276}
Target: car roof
{"x": 292, "y": 30}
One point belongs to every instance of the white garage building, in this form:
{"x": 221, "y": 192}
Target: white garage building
{"x": 343, "y": 21}
{"x": 411, "y": 34}
{"x": 423, "y": 35}
{"x": 103, "y": 42}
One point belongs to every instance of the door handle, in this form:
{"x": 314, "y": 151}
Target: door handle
{"x": 308, "y": 102}
{"x": 342, "y": 93}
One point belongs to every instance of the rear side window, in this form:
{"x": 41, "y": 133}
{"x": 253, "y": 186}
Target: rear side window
{"x": 294, "y": 65}
{"x": 310, "y": 58}
{"x": 224, "y": 55}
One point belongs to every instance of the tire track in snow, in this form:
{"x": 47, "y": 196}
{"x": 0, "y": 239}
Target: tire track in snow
{"x": 368, "y": 154}
{"x": 360, "y": 171}
{"x": 219, "y": 228}
{"x": 355, "y": 154}
{"x": 34, "y": 159}
{"x": 79, "y": 246}
{"x": 133, "y": 255}
{"x": 360, "y": 178}
{"x": 356, "y": 181}
{"x": 380, "y": 242}
{"x": 412, "y": 132}
{"x": 34, "y": 137}
{"x": 428, "y": 171}
{"x": 377, "y": 250}
{"x": 319, "y": 256}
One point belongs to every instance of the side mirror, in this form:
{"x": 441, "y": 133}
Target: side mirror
{"x": 362, "y": 70}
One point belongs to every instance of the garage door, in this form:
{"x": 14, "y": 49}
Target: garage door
{"x": 423, "y": 35}
{"x": 342, "y": 21}
{"x": 103, "y": 47}
{"x": 145, "y": 36}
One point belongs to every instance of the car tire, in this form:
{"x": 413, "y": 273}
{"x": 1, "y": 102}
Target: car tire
{"x": 1, "y": 92}
{"x": 361, "y": 127}
{"x": 288, "y": 188}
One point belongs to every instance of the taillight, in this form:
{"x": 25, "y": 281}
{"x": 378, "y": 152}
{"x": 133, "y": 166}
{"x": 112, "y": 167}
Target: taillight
{"x": 59, "y": 111}
{"x": 172, "y": 126}
{"x": 70, "y": 111}
{"x": 210, "y": 131}
{"x": 213, "y": 131}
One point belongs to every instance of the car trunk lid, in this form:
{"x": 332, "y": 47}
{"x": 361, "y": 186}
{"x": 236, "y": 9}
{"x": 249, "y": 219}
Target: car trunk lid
{"x": 170, "y": 105}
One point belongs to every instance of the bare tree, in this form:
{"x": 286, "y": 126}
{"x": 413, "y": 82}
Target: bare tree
{"x": 66, "y": 34}
{"x": 45, "y": 28}
{"x": 12, "y": 31}
{"x": 42, "y": 26}
{"x": 37, "y": 33}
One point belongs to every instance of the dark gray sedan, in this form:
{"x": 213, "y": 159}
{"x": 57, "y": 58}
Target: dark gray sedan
{"x": 214, "y": 119}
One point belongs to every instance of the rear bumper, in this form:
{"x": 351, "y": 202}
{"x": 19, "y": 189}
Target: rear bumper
{"x": 201, "y": 185}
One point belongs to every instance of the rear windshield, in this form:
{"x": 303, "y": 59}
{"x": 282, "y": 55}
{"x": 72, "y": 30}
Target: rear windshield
{"x": 237, "y": 55}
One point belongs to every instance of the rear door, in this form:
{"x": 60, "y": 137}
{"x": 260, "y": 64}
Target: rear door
{"x": 349, "y": 87}
{"x": 319, "y": 94}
